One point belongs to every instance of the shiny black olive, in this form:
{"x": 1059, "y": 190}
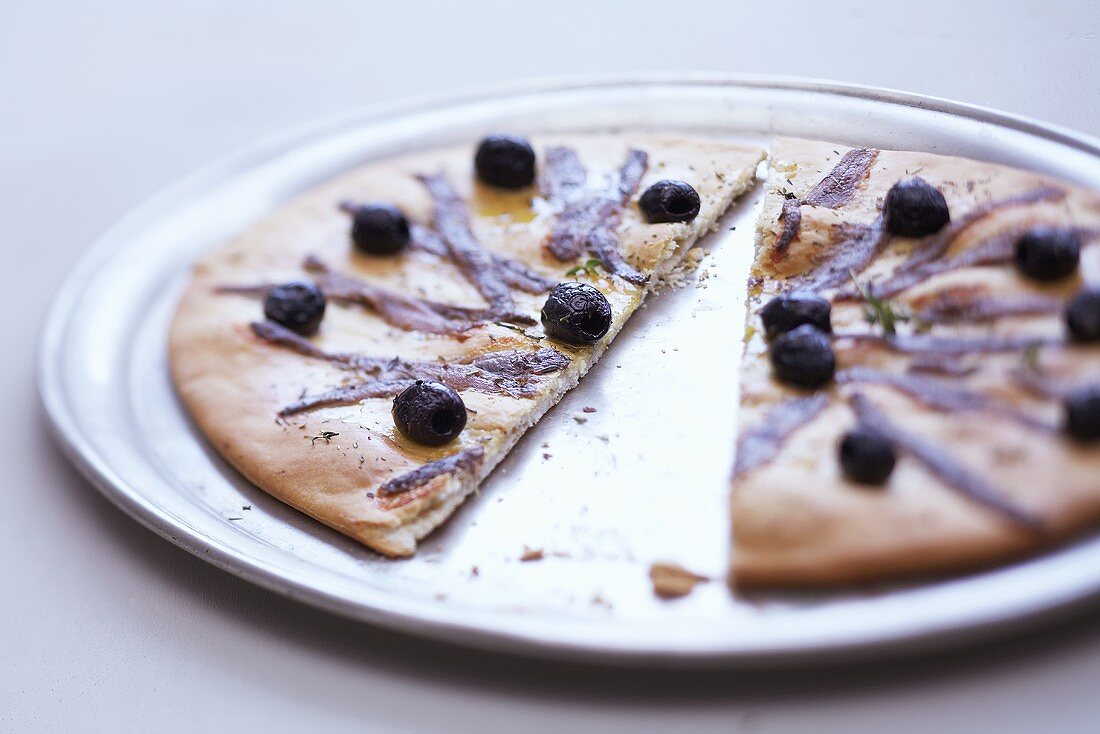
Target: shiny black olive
{"x": 790, "y": 310}
{"x": 297, "y": 306}
{"x": 379, "y": 229}
{"x": 429, "y": 413}
{"x": 1083, "y": 413}
{"x": 1048, "y": 253}
{"x": 803, "y": 357}
{"x": 576, "y": 313}
{"x": 914, "y": 208}
{"x": 866, "y": 456}
{"x": 1083, "y": 315}
{"x": 505, "y": 161}
{"x": 669, "y": 201}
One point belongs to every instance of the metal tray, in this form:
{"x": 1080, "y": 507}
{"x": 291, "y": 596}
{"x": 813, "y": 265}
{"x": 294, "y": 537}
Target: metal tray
{"x": 593, "y": 496}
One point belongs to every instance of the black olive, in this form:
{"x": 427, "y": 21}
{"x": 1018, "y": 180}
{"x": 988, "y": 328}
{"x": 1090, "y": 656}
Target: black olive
{"x": 505, "y": 161}
{"x": 791, "y": 310}
{"x": 297, "y": 306}
{"x": 914, "y": 208}
{"x": 1048, "y": 253}
{"x": 803, "y": 357}
{"x": 1083, "y": 413}
{"x": 576, "y": 313}
{"x": 379, "y": 229}
{"x": 866, "y": 456}
{"x": 669, "y": 201}
{"x": 1083, "y": 315}
{"x": 429, "y": 413}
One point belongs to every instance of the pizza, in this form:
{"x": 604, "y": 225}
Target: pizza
{"x": 920, "y": 390}
{"x": 369, "y": 351}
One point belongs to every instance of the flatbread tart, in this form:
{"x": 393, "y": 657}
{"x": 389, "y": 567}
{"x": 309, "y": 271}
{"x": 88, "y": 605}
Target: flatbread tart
{"x": 920, "y": 389}
{"x": 919, "y": 381}
{"x": 373, "y": 348}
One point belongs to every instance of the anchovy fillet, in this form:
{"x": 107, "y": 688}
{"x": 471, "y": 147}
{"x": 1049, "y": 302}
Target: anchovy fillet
{"x": 831, "y": 192}
{"x": 762, "y": 443}
{"x": 464, "y": 461}
{"x": 588, "y": 220}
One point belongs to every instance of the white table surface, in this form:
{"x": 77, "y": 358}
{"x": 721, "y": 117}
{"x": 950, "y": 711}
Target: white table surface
{"x": 105, "y": 627}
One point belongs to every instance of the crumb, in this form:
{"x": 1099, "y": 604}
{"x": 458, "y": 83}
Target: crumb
{"x": 679, "y": 274}
{"x": 531, "y": 554}
{"x": 246, "y": 507}
{"x": 671, "y": 580}
{"x": 599, "y": 601}
{"x": 546, "y": 456}
{"x": 580, "y": 419}
{"x": 475, "y": 571}
{"x": 588, "y": 409}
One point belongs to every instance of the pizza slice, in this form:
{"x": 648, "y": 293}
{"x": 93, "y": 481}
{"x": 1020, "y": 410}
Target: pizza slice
{"x": 373, "y": 348}
{"x": 921, "y": 381}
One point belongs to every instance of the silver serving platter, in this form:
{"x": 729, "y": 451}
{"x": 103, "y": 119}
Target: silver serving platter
{"x": 642, "y": 479}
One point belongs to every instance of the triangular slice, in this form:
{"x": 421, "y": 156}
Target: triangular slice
{"x": 971, "y": 392}
{"x": 308, "y": 418}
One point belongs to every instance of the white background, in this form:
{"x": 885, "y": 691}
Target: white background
{"x": 104, "y": 627}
